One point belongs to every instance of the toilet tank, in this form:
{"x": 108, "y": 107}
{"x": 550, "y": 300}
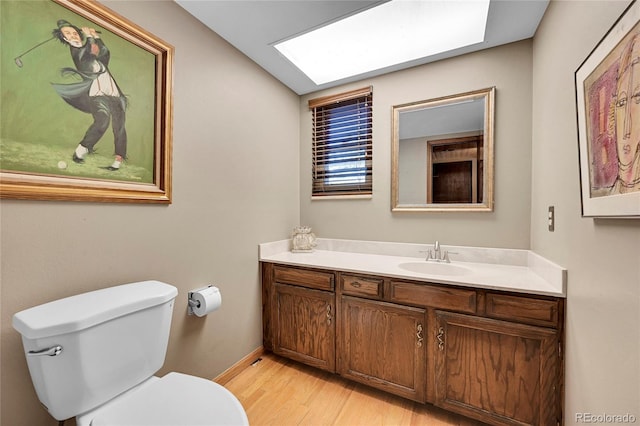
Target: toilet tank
{"x": 110, "y": 339}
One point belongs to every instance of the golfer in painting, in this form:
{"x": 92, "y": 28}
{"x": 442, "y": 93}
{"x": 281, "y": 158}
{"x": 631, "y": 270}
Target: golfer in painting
{"x": 97, "y": 94}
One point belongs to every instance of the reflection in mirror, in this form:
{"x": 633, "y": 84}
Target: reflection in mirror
{"x": 442, "y": 154}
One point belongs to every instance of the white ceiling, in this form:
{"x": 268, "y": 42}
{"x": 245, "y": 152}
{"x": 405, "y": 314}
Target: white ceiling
{"x": 254, "y": 26}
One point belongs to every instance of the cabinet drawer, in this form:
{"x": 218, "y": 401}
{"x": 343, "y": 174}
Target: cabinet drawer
{"x": 359, "y": 286}
{"x": 524, "y": 309}
{"x": 446, "y": 298}
{"x": 304, "y": 277}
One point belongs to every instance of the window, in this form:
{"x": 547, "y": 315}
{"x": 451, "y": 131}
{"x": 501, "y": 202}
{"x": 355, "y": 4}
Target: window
{"x": 342, "y": 144}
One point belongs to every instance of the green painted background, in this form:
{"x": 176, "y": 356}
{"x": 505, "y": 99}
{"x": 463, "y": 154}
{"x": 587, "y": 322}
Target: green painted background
{"x": 37, "y": 128}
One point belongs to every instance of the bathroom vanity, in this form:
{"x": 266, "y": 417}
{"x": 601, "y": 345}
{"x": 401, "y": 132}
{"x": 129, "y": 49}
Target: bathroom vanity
{"x": 483, "y": 339}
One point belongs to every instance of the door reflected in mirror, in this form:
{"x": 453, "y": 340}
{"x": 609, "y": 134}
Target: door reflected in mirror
{"x": 455, "y": 168}
{"x": 442, "y": 154}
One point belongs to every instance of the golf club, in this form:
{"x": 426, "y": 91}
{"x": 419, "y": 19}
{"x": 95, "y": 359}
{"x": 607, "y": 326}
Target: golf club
{"x": 19, "y": 61}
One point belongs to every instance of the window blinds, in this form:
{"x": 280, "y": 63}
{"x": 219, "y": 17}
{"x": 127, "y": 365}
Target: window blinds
{"x": 342, "y": 143}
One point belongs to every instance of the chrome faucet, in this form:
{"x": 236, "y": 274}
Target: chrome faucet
{"x": 437, "y": 254}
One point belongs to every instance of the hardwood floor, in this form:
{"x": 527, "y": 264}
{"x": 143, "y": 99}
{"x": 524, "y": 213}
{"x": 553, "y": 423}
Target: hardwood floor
{"x": 277, "y": 391}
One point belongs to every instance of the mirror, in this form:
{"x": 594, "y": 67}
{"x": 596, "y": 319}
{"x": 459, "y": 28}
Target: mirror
{"x": 442, "y": 154}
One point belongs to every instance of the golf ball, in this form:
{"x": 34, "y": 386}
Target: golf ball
{"x": 62, "y": 165}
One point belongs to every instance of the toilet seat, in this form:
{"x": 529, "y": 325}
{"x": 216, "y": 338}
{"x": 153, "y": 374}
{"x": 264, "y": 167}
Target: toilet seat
{"x": 175, "y": 399}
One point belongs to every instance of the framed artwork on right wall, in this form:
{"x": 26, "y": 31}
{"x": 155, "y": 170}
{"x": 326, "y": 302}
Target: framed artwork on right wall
{"x": 608, "y": 108}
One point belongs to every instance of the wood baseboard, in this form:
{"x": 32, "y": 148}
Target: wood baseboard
{"x": 239, "y": 366}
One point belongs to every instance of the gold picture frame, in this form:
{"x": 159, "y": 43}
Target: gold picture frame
{"x": 108, "y": 142}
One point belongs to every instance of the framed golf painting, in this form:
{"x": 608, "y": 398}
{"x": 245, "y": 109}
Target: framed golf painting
{"x": 608, "y": 108}
{"x": 86, "y": 105}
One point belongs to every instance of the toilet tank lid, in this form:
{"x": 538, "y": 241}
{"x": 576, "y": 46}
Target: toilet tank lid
{"x": 85, "y": 310}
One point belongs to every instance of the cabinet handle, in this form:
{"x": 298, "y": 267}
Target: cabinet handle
{"x": 356, "y": 284}
{"x": 419, "y": 336}
{"x": 440, "y": 337}
{"x": 329, "y": 316}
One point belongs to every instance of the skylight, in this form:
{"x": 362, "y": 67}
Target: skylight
{"x": 394, "y": 32}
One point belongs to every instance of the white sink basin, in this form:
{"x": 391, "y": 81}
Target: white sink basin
{"x": 425, "y": 267}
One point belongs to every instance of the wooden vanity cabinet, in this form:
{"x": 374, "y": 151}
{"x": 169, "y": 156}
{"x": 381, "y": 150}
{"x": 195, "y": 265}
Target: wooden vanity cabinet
{"x": 299, "y": 308}
{"x": 490, "y": 355}
{"x": 382, "y": 345}
{"x": 496, "y": 371}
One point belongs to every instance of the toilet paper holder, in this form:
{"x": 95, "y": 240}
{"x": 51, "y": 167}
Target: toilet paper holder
{"x": 194, "y": 303}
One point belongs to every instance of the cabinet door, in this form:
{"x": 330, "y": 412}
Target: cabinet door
{"x": 497, "y": 371}
{"x": 304, "y": 324}
{"x": 382, "y": 345}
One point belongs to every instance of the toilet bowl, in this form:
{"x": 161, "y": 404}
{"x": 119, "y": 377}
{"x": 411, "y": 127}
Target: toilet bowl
{"x": 93, "y": 356}
{"x": 175, "y": 399}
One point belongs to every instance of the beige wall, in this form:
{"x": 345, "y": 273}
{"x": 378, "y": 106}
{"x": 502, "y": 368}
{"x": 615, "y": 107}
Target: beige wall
{"x": 235, "y": 152}
{"x": 508, "y": 68}
{"x": 602, "y": 256}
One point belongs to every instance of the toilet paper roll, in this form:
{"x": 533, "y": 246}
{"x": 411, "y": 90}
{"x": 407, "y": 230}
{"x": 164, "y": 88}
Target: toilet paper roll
{"x": 206, "y": 300}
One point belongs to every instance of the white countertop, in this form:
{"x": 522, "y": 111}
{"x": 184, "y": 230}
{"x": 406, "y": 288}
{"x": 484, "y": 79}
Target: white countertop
{"x": 521, "y": 271}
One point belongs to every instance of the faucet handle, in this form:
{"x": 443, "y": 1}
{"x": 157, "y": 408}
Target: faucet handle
{"x": 445, "y": 256}
{"x": 429, "y": 254}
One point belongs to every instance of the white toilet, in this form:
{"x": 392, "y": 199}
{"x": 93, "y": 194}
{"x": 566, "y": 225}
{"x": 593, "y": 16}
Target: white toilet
{"x": 93, "y": 356}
